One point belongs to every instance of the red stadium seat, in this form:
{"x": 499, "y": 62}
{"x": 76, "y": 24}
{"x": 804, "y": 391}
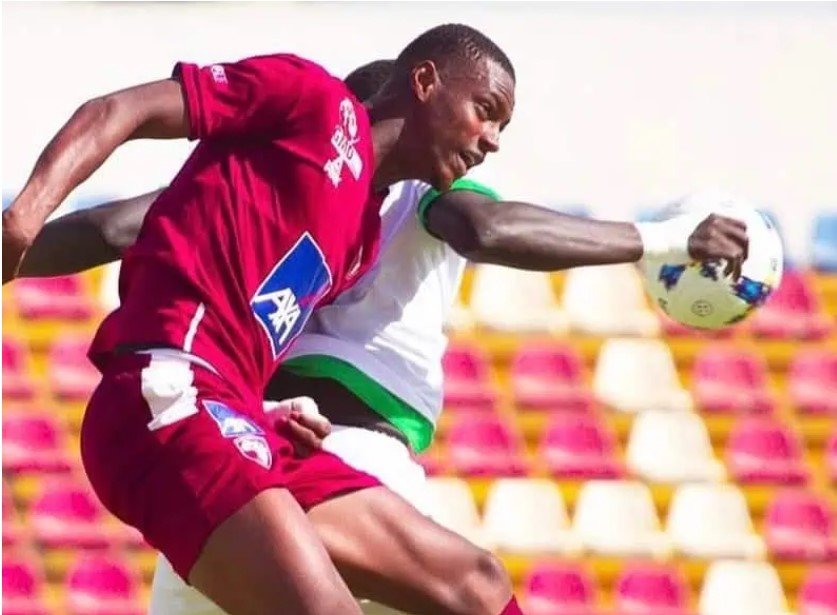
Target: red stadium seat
{"x": 23, "y": 583}
{"x": 480, "y": 445}
{"x": 99, "y": 585}
{"x": 67, "y": 515}
{"x": 548, "y": 377}
{"x": 761, "y": 450}
{"x": 72, "y": 375}
{"x": 812, "y": 380}
{"x": 800, "y": 526}
{"x": 728, "y": 380}
{"x": 34, "y": 442}
{"x": 793, "y": 312}
{"x": 62, "y": 298}
{"x": 468, "y": 381}
{"x": 818, "y": 594}
{"x": 645, "y": 589}
{"x": 580, "y": 447}
{"x": 559, "y": 589}
{"x": 17, "y": 383}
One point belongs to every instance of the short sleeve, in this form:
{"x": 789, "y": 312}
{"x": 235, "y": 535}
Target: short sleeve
{"x": 460, "y": 184}
{"x": 255, "y": 97}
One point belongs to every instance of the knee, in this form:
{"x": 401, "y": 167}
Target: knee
{"x": 484, "y": 587}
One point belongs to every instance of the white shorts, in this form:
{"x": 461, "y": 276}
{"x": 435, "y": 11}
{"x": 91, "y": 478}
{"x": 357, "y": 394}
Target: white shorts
{"x": 375, "y": 453}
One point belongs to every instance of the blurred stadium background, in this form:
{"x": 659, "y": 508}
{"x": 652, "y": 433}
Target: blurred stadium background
{"x": 619, "y": 464}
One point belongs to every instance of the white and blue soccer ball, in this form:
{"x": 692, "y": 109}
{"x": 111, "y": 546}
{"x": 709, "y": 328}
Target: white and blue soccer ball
{"x": 699, "y": 294}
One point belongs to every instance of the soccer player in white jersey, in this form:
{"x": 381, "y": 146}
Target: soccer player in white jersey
{"x": 372, "y": 362}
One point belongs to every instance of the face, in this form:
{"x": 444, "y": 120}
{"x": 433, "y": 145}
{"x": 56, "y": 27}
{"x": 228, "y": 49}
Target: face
{"x": 459, "y": 118}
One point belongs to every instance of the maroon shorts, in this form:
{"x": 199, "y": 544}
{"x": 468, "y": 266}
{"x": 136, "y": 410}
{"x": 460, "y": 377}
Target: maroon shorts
{"x": 171, "y": 450}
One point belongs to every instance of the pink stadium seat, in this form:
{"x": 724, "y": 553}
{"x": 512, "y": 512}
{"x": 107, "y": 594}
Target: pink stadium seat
{"x": 23, "y": 583}
{"x": 72, "y": 375}
{"x": 468, "y": 381}
{"x": 793, "y": 311}
{"x": 99, "y": 585}
{"x": 831, "y": 457}
{"x": 800, "y": 526}
{"x": 761, "y": 450}
{"x": 812, "y": 380}
{"x": 61, "y": 298}
{"x": 34, "y": 442}
{"x": 17, "y": 383}
{"x": 580, "y": 447}
{"x": 559, "y": 589}
{"x": 818, "y": 594}
{"x": 67, "y": 515}
{"x": 546, "y": 377}
{"x": 480, "y": 445}
{"x": 644, "y": 589}
{"x": 728, "y": 380}
{"x": 432, "y": 461}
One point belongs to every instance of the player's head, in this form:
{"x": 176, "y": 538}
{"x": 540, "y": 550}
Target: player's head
{"x": 366, "y": 80}
{"x": 460, "y": 91}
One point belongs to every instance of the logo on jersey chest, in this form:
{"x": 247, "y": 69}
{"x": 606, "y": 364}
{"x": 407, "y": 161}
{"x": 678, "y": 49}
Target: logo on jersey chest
{"x": 343, "y": 140}
{"x": 288, "y": 295}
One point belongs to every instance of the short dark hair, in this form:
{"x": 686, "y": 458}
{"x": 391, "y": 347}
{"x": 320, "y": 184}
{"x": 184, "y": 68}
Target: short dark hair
{"x": 366, "y": 80}
{"x": 450, "y": 44}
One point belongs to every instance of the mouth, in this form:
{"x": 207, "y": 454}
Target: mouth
{"x": 470, "y": 160}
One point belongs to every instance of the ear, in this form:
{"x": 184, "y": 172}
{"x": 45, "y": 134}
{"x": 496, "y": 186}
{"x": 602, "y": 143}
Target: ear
{"x": 424, "y": 79}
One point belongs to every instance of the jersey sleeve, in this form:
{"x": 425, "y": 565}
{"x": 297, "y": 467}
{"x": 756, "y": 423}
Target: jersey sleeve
{"x": 463, "y": 183}
{"x": 255, "y": 97}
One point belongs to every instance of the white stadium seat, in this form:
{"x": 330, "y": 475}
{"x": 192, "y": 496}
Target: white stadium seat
{"x": 452, "y": 505}
{"x": 736, "y": 587}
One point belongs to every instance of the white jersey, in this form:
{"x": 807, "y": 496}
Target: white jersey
{"x": 389, "y": 326}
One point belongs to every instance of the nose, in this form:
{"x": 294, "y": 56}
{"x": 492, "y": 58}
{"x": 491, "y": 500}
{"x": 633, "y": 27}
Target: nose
{"x": 490, "y": 139}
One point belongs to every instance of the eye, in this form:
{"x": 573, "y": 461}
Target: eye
{"x": 484, "y": 110}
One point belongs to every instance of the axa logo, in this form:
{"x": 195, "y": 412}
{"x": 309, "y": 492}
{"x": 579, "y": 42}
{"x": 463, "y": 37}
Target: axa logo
{"x": 343, "y": 140}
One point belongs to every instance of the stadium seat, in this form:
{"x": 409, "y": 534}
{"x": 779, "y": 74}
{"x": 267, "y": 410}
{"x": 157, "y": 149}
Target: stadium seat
{"x": 67, "y": 515}
{"x": 606, "y": 301}
{"x": 618, "y": 518}
{"x": 14, "y": 531}
{"x": 812, "y": 380}
{"x": 35, "y": 442}
{"x": 580, "y": 447}
{"x": 102, "y": 585}
{"x": 23, "y": 586}
{"x": 479, "y": 445}
{"x": 559, "y": 589}
{"x": 824, "y": 252}
{"x": 72, "y": 375}
{"x": 514, "y": 301}
{"x": 793, "y": 312}
{"x": 762, "y": 450}
{"x": 62, "y": 298}
{"x": 549, "y": 377}
{"x": 831, "y": 457}
{"x": 528, "y": 516}
{"x": 646, "y": 589}
{"x": 672, "y": 447}
{"x": 17, "y": 381}
{"x": 800, "y": 526}
{"x": 736, "y": 587}
{"x": 469, "y": 383}
{"x": 707, "y": 520}
{"x": 818, "y": 594}
{"x": 632, "y": 375}
{"x": 451, "y": 504}
{"x": 729, "y": 379}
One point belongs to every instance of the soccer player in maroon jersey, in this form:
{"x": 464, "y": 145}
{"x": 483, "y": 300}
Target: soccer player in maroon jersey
{"x": 274, "y": 214}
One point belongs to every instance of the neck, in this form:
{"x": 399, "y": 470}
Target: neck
{"x": 387, "y": 119}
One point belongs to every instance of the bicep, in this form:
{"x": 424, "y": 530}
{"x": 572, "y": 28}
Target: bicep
{"x": 157, "y": 109}
{"x": 458, "y": 217}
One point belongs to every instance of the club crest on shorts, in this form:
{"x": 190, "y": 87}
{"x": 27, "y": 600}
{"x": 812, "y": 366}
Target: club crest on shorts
{"x": 231, "y": 423}
{"x": 255, "y": 448}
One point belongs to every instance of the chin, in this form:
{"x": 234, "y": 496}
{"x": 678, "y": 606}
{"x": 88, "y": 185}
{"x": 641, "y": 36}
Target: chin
{"x": 443, "y": 179}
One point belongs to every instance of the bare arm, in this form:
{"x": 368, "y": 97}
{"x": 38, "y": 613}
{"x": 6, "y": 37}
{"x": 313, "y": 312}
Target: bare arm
{"x": 85, "y": 239}
{"x": 525, "y": 236}
{"x": 154, "y": 110}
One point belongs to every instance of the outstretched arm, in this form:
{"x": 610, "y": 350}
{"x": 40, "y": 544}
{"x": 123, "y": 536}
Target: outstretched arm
{"x": 153, "y": 110}
{"x": 87, "y": 238}
{"x": 526, "y": 236}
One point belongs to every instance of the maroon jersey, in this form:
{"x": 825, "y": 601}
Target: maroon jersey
{"x": 270, "y": 217}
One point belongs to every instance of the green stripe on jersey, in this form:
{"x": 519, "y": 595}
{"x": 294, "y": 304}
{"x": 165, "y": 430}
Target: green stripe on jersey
{"x": 398, "y": 413}
{"x": 462, "y": 183}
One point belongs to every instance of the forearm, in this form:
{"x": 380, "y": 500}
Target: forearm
{"x": 523, "y": 236}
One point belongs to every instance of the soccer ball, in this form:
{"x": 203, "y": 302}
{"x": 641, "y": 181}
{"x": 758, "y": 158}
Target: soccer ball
{"x": 699, "y": 294}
